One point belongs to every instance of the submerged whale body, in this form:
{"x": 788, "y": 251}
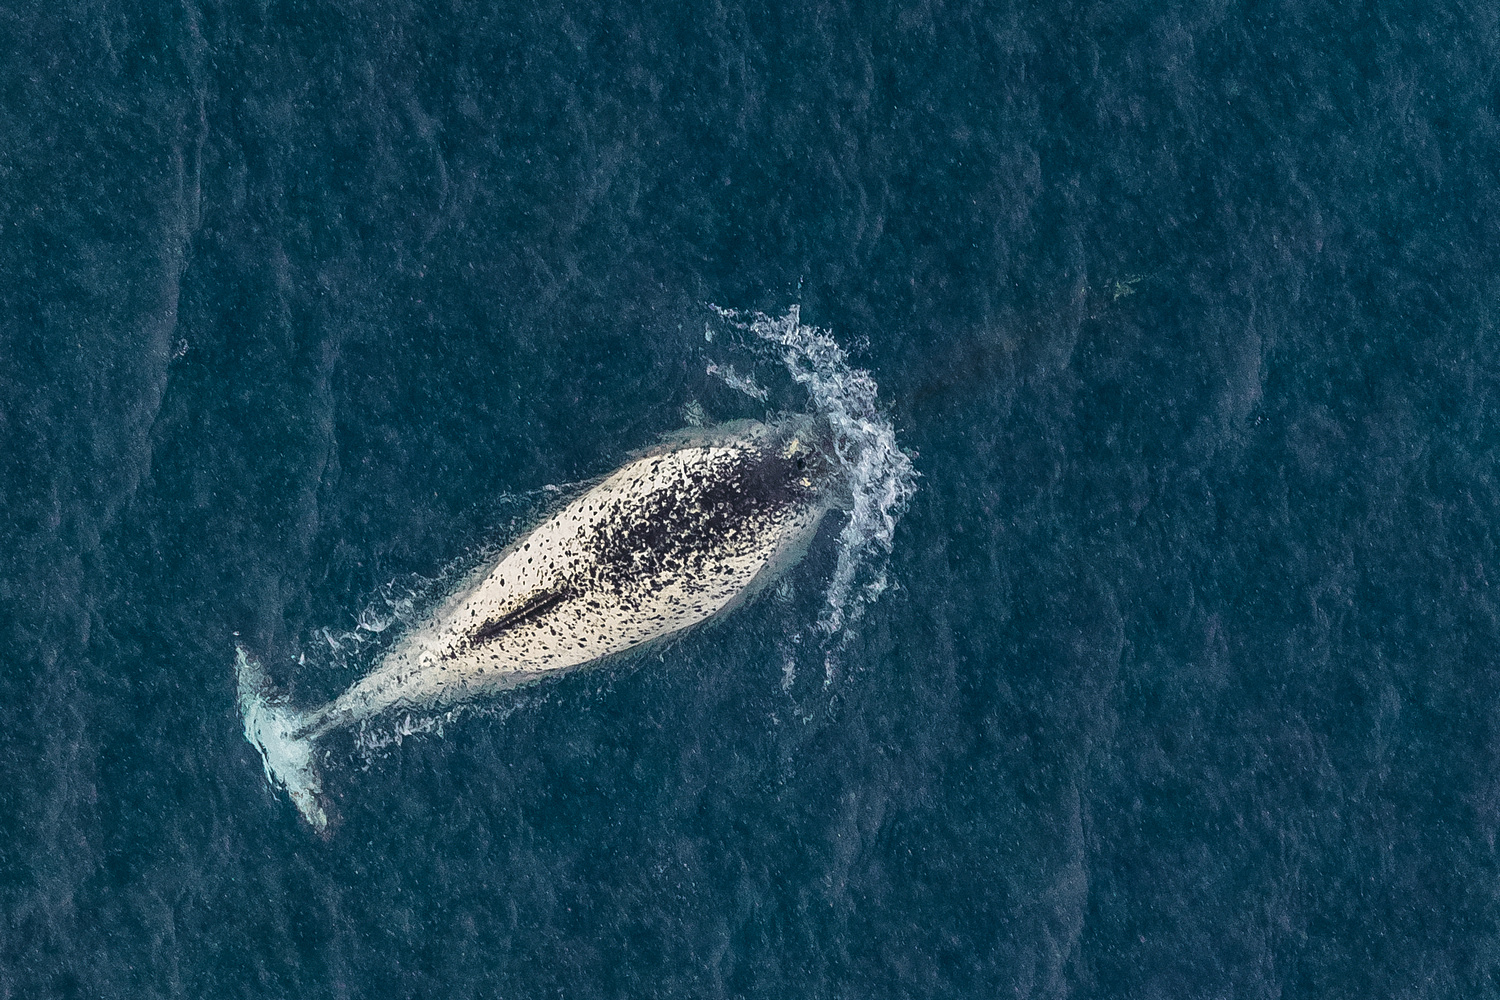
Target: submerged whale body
{"x": 677, "y": 536}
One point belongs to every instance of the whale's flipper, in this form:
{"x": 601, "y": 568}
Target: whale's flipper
{"x": 278, "y": 731}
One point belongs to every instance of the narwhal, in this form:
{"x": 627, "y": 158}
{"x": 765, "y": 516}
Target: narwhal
{"x": 682, "y": 533}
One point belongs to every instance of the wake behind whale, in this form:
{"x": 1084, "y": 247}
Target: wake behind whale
{"x": 677, "y": 536}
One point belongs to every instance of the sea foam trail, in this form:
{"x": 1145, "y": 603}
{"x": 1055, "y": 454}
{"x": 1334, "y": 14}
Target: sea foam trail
{"x": 880, "y": 475}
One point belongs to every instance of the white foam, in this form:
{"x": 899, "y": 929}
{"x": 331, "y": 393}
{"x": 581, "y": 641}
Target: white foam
{"x": 372, "y": 737}
{"x": 738, "y": 382}
{"x": 880, "y": 475}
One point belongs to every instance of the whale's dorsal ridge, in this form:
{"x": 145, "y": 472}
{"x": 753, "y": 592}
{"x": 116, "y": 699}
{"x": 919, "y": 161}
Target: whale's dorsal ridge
{"x": 533, "y": 607}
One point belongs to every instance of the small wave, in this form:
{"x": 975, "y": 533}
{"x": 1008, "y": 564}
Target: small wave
{"x": 738, "y": 382}
{"x": 373, "y": 737}
{"x": 880, "y": 475}
{"x": 394, "y": 607}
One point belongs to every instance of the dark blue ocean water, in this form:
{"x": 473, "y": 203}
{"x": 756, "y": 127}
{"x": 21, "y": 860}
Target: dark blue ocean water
{"x": 1184, "y": 682}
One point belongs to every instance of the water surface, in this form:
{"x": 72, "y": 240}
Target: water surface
{"x": 1178, "y": 678}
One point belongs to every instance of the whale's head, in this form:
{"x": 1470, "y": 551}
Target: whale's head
{"x": 797, "y": 461}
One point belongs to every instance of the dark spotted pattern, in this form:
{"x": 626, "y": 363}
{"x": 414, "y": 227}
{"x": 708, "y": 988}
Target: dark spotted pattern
{"x": 687, "y": 533}
{"x": 682, "y": 529}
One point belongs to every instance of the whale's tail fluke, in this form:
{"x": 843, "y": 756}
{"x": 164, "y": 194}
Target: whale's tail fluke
{"x": 278, "y": 731}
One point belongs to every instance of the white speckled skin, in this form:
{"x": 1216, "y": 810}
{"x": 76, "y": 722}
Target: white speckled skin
{"x": 670, "y": 540}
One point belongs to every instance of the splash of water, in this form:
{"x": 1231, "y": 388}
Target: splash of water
{"x": 373, "y": 738}
{"x": 738, "y": 382}
{"x": 880, "y": 475}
